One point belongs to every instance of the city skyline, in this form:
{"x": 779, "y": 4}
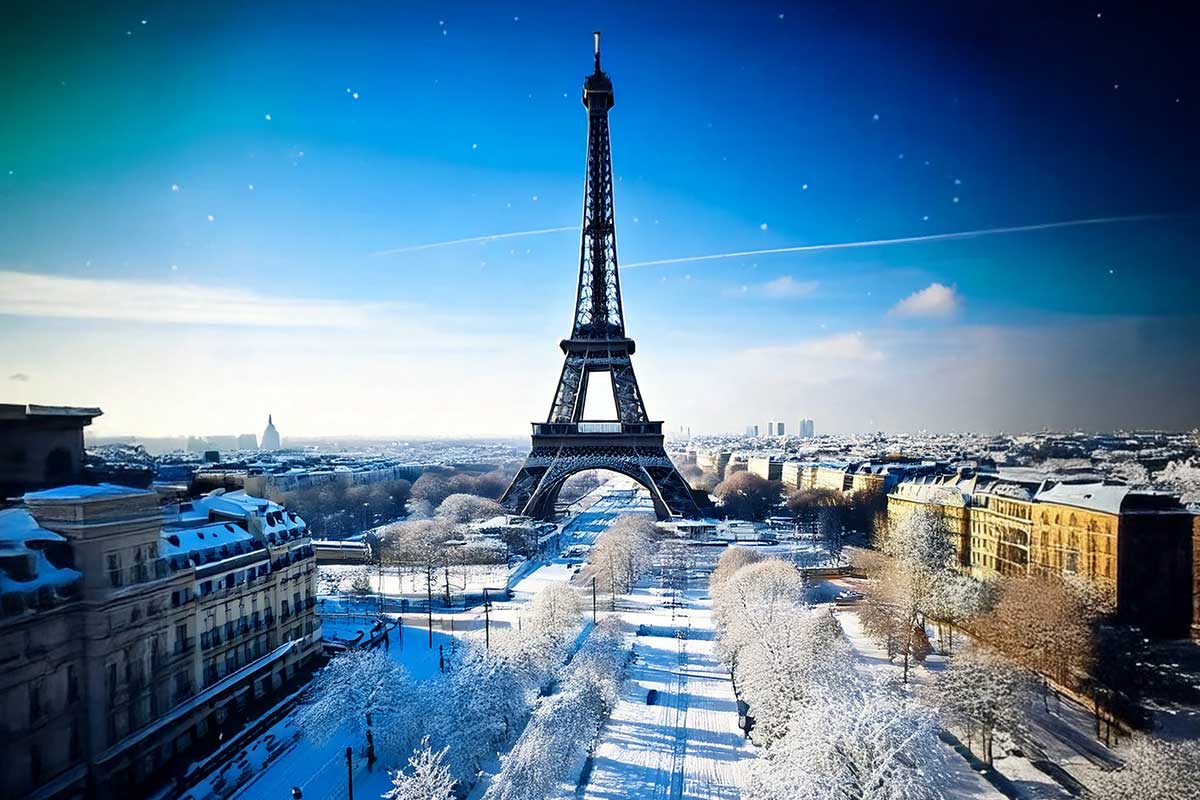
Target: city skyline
{"x": 345, "y": 234}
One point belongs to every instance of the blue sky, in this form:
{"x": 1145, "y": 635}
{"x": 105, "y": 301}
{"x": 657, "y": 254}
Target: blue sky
{"x": 736, "y": 128}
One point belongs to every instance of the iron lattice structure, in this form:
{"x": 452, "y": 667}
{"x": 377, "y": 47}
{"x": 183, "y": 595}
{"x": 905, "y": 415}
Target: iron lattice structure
{"x": 567, "y": 443}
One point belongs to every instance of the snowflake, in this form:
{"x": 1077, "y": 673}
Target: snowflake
{"x": 250, "y": 187}
{"x": 174, "y": 187}
{"x": 955, "y": 200}
{"x": 267, "y": 117}
{"x": 474, "y": 147}
{"x": 762, "y": 227}
{"x": 535, "y": 197}
{"x": 174, "y": 267}
{"x": 875, "y": 117}
{"x": 211, "y": 218}
{"x": 804, "y": 186}
{"x": 925, "y": 218}
{"x": 354, "y": 95}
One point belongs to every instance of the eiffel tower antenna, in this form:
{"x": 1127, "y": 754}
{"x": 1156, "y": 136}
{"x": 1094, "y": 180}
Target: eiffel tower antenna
{"x": 566, "y": 443}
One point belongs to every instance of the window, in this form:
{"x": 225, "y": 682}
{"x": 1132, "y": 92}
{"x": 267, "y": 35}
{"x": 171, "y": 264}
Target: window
{"x": 114, "y": 569}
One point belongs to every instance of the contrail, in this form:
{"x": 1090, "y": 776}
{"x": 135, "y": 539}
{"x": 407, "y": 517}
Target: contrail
{"x": 936, "y": 237}
{"x": 488, "y": 238}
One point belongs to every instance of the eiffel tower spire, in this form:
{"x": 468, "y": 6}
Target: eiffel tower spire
{"x": 566, "y": 443}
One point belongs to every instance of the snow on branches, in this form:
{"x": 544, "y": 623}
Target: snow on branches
{"x": 427, "y": 777}
{"x": 983, "y": 693}
{"x": 564, "y": 727}
{"x": 623, "y": 553}
{"x": 827, "y": 733}
{"x": 860, "y": 739}
{"x": 367, "y": 695}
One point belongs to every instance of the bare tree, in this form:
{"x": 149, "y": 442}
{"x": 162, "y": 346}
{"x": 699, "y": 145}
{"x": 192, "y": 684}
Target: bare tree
{"x": 745, "y": 495}
{"x": 1047, "y": 625}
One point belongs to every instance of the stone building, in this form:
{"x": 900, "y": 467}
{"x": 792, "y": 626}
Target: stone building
{"x": 766, "y": 467}
{"x": 40, "y": 446}
{"x": 270, "y": 437}
{"x": 128, "y": 638}
{"x": 1134, "y": 546}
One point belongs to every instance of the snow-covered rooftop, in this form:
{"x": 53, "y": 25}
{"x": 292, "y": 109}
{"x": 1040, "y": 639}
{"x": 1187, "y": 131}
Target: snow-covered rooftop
{"x": 1098, "y": 496}
{"x": 18, "y": 526}
{"x": 82, "y": 492}
{"x": 25, "y": 568}
{"x": 184, "y": 541}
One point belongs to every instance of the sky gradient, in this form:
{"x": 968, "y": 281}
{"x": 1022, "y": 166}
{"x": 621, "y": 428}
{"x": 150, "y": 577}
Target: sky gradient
{"x": 211, "y": 213}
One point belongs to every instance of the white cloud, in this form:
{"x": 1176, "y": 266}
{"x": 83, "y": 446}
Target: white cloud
{"x": 935, "y": 300}
{"x": 783, "y": 287}
{"x": 30, "y": 295}
{"x": 787, "y": 286}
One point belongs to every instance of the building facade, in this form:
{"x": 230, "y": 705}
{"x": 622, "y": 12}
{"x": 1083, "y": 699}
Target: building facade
{"x": 129, "y": 637}
{"x": 766, "y": 467}
{"x": 1134, "y": 547}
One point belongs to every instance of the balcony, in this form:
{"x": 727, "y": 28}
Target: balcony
{"x": 597, "y": 428}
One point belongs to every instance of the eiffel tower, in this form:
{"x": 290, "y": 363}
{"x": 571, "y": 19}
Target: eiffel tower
{"x": 566, "y": 443}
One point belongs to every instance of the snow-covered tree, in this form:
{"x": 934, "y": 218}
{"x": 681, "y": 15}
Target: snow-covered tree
{"x": 427, "y": 777}
{"x": 731, "y": 560}
{"x": 623, "y": 554}
{"x": 361, "y": 691}
{"x": 1182, "y": 477}
{"x": 555, "y": 614}
{"x": 564, "y": 727}
{"x": 1153, "y": 768}
{"x": 794, "y": 660}
{"x": 460, "y": 508}
{"x": 420, "y": 547}
{"x": 955, "y": 600}
{"x": 922, "y": 553}
{"x": 752, "y": 601}
{"x": 983, "y": 693}
{"x": 859, "y": 739}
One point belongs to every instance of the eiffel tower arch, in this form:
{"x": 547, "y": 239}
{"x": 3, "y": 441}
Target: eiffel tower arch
{"x": 566, "y": 443}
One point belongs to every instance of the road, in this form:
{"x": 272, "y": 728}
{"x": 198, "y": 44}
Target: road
{"x": 687, "y": 744}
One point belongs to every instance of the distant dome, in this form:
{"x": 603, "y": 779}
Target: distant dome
{"x": 270, "y": 437}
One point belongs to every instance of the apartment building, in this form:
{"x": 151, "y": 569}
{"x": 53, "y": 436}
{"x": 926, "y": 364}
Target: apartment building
{"x": 132, "y": 637}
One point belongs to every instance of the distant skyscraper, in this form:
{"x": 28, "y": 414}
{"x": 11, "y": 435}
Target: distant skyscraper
{"x": 270, "y": 437}
{"x": 806, "y": 428}
{"x": 774, "y": 429}
{"x": 752, "y": 430}
{"x": 247, "y": 441}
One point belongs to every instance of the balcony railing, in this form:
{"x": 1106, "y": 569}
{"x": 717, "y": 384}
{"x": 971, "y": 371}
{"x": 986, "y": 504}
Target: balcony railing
{"x": 574, "y": 428}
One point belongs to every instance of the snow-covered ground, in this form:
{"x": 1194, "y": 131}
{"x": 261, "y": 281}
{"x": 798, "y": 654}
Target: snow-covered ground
{"x": 962, "y": 780}
{"x": 687, "y": 743}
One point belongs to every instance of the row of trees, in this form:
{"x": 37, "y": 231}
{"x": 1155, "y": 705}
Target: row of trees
{"x": 564, "y": 728}
{"x": 1027, "y": 633}
{"x": 623, "y": 553}
{"x": 826, "y": 731}
{"x": 451, "y": 724}
{"x": 333, "y": 510}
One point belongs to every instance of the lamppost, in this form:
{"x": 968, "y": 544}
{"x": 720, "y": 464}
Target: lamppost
{"x": 487, "y": 621}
